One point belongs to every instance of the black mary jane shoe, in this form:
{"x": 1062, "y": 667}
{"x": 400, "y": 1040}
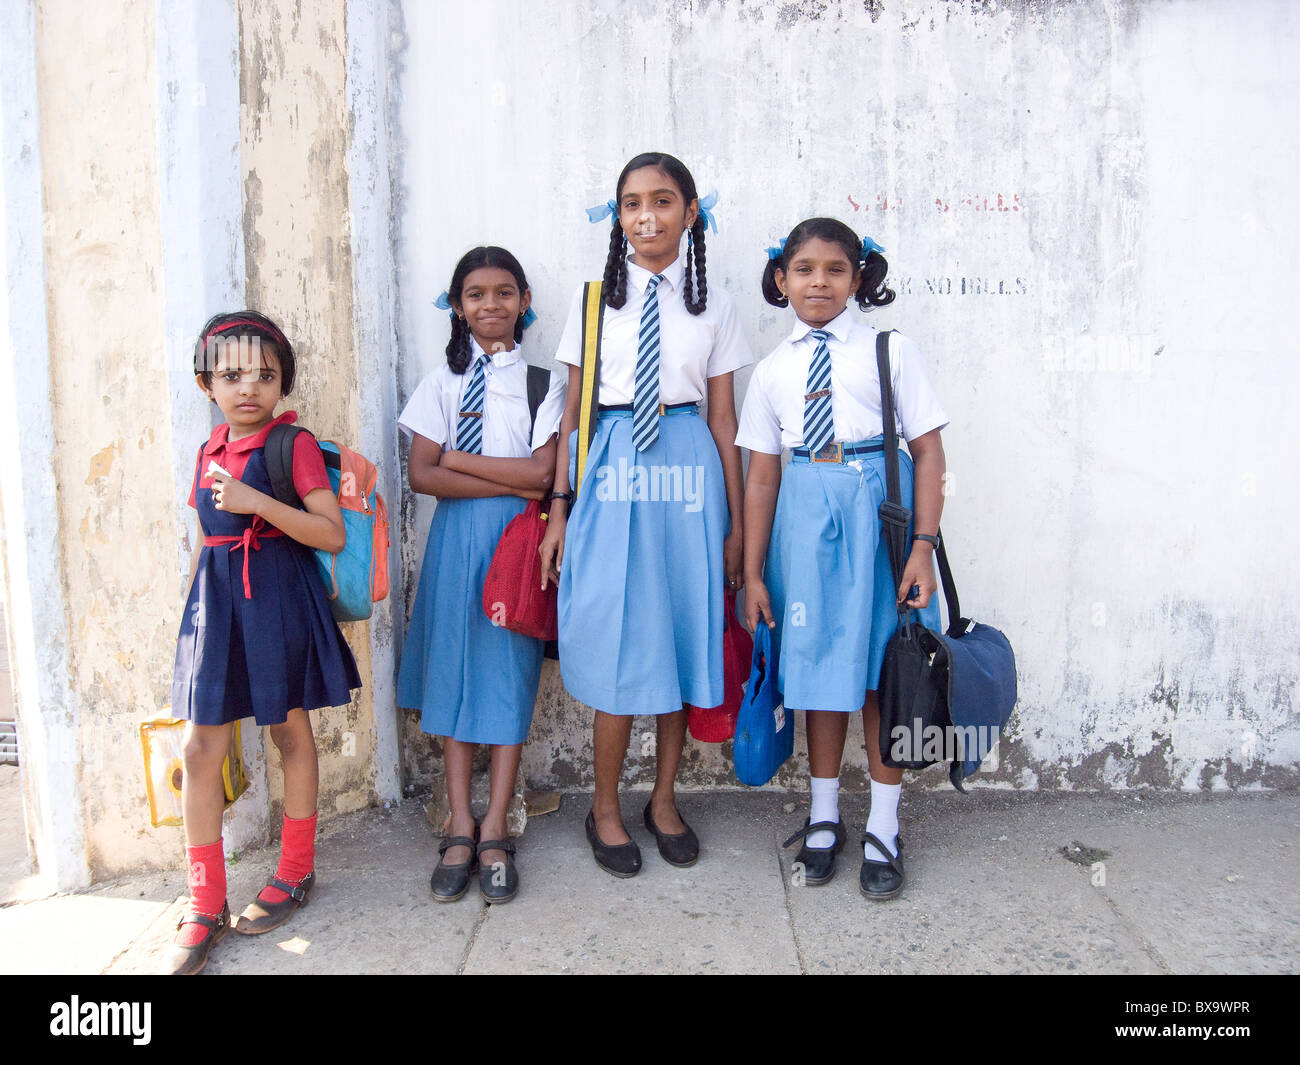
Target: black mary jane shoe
{"x": 818, "y": 862}
{"x": 260, "y": 917}
{"x": 881, "y": 880}
{"x": 622, "y": 861}
{"x": 681, "y": 850}
{"x": 450, "y": 882}
{"x": 497, "y": 883}
{"x": 186, "y": 961}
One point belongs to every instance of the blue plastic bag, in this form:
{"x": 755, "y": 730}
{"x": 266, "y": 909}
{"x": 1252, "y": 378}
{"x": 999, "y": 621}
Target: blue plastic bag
{"x": 764, "y": 731}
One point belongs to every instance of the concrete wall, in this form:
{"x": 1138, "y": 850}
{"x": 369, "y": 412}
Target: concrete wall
{"x": 1095, "y": 277}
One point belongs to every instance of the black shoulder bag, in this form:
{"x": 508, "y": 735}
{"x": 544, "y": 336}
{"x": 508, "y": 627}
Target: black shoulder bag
{"x": 943, "y": 696}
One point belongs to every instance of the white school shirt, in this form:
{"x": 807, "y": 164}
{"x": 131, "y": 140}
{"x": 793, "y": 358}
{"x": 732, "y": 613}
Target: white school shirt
{"x": 772, "y": 417}
{"x": 692, "y": 347}
{"x": 433, "y": 411}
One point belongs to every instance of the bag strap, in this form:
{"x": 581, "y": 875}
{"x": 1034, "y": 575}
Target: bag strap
{"x": 279, "y": 463}
{"x": 895, "y": 517}
{"x": 593, "y": 318}
{"x": 539, "y": 382}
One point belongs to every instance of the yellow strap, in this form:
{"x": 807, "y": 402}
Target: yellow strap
{"x": 590, "y": 344}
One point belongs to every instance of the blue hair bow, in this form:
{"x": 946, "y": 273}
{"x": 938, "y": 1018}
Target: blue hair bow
{"x": 602, "y": 210}
{"x": 706, "y": 210}
{"x": 868, "y": 246}
{"x": 529, "y": 317}
{"x": 442, "y": 301}
{"x": 778, "y": 250}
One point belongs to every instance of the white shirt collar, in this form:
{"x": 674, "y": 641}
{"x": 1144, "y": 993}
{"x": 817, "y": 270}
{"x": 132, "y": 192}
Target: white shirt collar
{"x": 839, "y": 327}
{"x": 673, "y": 274}
{"x": 500, "y": 358}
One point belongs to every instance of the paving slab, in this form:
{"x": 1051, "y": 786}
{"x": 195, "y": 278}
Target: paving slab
{"x": 1209, "y": 885}
{"x": 986, "y": 892}
{"x": 725, "y": 914}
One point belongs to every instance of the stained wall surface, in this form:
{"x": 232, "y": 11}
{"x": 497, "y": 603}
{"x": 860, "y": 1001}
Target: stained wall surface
{"x": 1087, "y": 215}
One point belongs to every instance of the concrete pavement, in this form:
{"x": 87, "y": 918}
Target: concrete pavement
{"x": 998, "y": 882}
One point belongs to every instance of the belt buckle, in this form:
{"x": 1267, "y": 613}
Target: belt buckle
{"x": 833, "y": 452}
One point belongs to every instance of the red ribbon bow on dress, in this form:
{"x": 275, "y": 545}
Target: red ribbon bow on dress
{"x": 250, "y": 541}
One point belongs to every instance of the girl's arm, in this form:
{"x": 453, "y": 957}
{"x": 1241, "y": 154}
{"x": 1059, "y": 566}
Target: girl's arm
{"x": 928, "y": 466}
{"x": 761, "y": 489}
{"x": 531, "y": 474}
{"x": 427, "y": 476}
{"x": 722, "y": 424}
{"x": 319, "y": 526}
{"x": 552, "y": 546}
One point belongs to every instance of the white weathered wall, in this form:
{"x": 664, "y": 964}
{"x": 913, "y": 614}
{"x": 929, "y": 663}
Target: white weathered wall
{"x": 1088, "y": 215}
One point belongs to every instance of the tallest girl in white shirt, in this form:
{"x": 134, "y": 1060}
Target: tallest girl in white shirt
{"x": 642, "y": 576}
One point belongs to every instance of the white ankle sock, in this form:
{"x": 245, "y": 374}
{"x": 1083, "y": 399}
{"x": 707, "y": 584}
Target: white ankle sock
{"x": 882, "y": 822}
{"x": 825, "y": 807}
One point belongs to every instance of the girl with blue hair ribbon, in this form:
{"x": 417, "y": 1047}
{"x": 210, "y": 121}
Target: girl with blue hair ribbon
{"x": 816, "y": 565}
{"x": 472, "y": 446}
{"x": 654, "y": 535}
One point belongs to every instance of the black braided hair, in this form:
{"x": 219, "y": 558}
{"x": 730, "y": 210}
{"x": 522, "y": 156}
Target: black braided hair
{"x": 615, "y": 290}
{"x": 223, "y": 328}
{"x": 458, "y": 346}
{"x": 695, "y": 262}
{"x": 695, "y": 291}
{"x": 872, "y": 290}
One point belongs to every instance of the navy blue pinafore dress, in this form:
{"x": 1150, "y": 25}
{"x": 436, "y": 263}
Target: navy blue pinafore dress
{"x": 262, "y": 656}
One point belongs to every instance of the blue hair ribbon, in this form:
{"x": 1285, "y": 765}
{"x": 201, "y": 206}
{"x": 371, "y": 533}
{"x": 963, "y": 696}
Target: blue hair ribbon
{"x": 706, "y": 210}
{"x": 777, "y": 250}
{"x": 602, "y": 210}
{"x": 530, "y": 317}
{"x": 868, "y": 246}
{"x": 442, "y": 301}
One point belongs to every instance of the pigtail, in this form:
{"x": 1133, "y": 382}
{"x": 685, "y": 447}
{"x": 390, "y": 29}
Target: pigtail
{"x": 872, "y": 289}
{"x": 771, "y": 292}
{"x": 519, "y": 329}
{"x": 458, "y": 347}
{"x": 616, "y": 268}
{"x": 700, "y": 285}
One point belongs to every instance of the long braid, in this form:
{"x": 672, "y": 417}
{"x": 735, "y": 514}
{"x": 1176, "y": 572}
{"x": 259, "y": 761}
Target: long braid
{"x": 458, "y": 347}
{"x": 616, "y": 268}
{"x": 696, "y": 261}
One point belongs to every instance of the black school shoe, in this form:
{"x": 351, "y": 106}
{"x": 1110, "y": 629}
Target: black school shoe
{"x": 818, "y": 862}
{"x": 881, "y": 880}
{"x": 622, "y": 861}
{"x": 186, "y": 961}
{"x": 681, "y": 850}
{"x": 450, "y": 882}
{"x": 497, "y": 884}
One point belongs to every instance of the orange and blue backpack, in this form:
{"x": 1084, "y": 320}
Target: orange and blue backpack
{"x": 357, "y": 577}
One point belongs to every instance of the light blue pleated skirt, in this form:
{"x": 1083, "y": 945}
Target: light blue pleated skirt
{"x": 641, "y": 588}
{"x": 829, "y": 581}
{"x": 470, "y": 680}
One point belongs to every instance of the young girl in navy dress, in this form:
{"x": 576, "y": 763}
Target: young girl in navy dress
{"x": 257, "y": 637}
{"x": 826, "y": 567}
{"x": 473, "y": 448}
{"x": 641, "y": 570}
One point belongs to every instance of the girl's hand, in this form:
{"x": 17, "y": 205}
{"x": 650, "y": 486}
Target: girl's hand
{"x": 757, "y": 605}
{"x": 552, "y": 545}
{"x": 733, "y": 560}
{"x": 919, "y": 571}
{"x": 233, "y": 495}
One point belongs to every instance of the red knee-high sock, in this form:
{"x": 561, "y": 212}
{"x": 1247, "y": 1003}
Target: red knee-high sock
{"x": 297, "y": 855}
{"x": 207, "y": 882}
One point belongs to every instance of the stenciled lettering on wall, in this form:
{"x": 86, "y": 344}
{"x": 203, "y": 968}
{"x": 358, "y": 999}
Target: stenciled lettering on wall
{"x": 992, "y": 202}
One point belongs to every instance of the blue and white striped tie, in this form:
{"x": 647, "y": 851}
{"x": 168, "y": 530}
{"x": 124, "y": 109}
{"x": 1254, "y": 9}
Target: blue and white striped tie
{"x": 818, "y": 423}
{"x": 645, "y": 398}
{"x": 469, "y": 430}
